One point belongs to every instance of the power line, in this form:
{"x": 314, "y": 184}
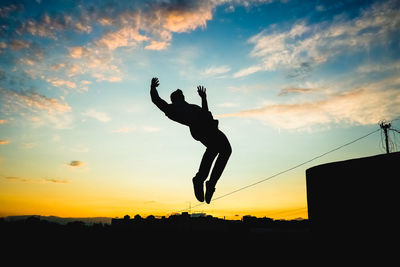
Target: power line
{"x": 287, "y": 170}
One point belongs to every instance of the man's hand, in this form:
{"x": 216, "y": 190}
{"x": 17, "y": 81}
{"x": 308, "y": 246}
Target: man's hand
{"x": 154, "y": 83}
{"x": 202, "y": 91}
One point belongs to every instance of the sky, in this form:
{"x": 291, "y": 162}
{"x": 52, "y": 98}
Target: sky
{"x": 287, "y": 80}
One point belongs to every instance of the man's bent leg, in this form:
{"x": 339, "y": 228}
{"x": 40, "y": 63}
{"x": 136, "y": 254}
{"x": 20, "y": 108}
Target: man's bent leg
{"x": 202, "y": 174}
{"x": 205, "y": 164}
{"x": 219, "y": 167}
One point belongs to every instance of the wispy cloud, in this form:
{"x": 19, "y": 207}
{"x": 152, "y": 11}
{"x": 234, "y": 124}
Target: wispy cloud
{"x": 247, "y": 71}
{"x": 365, "y": 104}
{"x": 36, "y": 180}
{"x": 36, "y": 108}
{"x": 154, "y": 45}
{"x": 98, "y": 115}
{"x": 56, "y": 181}
{"x": 131, "y": 26}
{"x": 57, "y": 82}
{"x": 125, "y": 36}
{"x": 317, "y": 43}
{"x": 379, "y": 67}
{"x": 14, "y": 100}
{"x": 216, "y": 70}
{"x": 102, "y": 29}
{"x": 18, "y": 44}
{"x": 76, "y": 163}
{"x": 139, "y": 25}
{"x": 295, "y": 90}
{"x": 18, "y": 179}
{"x": 4, "y": 142}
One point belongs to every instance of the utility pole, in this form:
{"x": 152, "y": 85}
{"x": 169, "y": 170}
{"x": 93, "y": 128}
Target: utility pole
{"x": 385, "y": 127}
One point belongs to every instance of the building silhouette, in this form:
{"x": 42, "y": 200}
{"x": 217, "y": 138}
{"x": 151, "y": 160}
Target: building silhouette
{"x": 354, "y": 197}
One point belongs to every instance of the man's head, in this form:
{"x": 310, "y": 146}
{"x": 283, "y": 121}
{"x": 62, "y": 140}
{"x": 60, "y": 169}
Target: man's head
{"x": 177, "y": 96}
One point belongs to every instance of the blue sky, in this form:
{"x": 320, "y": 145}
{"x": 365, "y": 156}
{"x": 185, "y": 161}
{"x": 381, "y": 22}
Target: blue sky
{"x": 288, "y": 80}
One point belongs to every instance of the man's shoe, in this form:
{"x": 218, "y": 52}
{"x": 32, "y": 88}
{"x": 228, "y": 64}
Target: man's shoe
{"x": 210, "y": 189}
{"x": 198, "y": 188}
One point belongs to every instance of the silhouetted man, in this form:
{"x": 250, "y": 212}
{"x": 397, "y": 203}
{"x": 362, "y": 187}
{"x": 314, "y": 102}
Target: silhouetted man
{"x": 203, "y": 128}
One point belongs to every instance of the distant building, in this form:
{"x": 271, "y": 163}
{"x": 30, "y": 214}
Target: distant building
{"x": 116, "y": 221}
{"x": 198, "y": 215}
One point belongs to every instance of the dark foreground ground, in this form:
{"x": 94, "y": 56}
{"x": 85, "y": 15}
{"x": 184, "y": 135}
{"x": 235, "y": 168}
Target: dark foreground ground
{"x": 179, "y": 232}
{"x": 178, "y": 238}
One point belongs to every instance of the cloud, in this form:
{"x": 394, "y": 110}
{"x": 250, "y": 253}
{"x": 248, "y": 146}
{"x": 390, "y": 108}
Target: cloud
{"x": 154, "y": 45}
{"x": 32, "y": 101}
{"x": 379, "y": 67}
{"x": 89, "y": 37}
{"x": 57, "y": 82}
{"x": 76, "y": 164}
{"x": 126, "y": 36}
{"x": 216, "y": 70}
{"x": 98, "y": 115}
{"x": 247, "y": 71}
{"x": 95, "y": 59}
{"x": 151, "y": 24}
{"x": 107, "y": 77}
{"x": 186, "y": 16}
{"x": 56, "y": 181}
{"x": 42, "y": 28}
{"x": 18, "y": 45}
{"x": 125, "y": 27}
{"x": 18, "y": 179}
{"x": 364, "y": 105}
{"x": 6, "y": 10}
{"x": 76, "y": 51}
{"x": 3, "y": 121}
{"x": 51, "y": 26}
{"x": 83, "y": 28}
{"x": 36, "y": 108}
{"x": 295, "y": 90}
{"x": 317, "y": 43}
{"x": 4, "y": 142}
{"x": 32, "y": 180}
{"x": 83, "y": 82}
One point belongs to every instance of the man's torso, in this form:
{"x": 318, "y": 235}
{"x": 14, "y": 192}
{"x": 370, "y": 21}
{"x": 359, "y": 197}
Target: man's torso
{"x": 200, "y": 122}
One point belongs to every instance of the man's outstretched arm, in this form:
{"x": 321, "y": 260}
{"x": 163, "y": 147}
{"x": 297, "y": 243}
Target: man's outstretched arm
{"x": 155, "y": 98}
{"x": 202, "y": 93}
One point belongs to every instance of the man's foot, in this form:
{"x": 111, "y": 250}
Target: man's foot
{"x": 210, "y": 189}
{"x": 198, "y": 188}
